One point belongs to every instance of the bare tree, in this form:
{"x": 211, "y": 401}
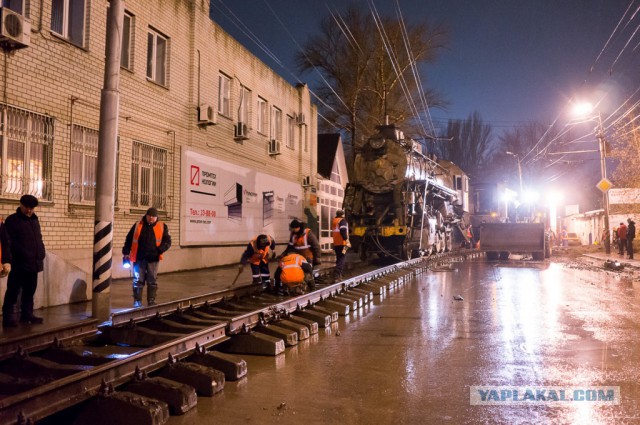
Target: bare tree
{"x": 625, "y": 147}
{"x": 470, "y": 146}
{"x": 367, "y": 71}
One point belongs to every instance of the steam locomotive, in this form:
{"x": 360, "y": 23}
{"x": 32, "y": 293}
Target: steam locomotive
{"x": 401, "y": 203}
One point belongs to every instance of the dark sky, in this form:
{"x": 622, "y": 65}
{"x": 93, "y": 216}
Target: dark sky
{"x": 511, "y": 60}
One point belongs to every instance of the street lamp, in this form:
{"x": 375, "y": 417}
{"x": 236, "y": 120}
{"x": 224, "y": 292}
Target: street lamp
{"x": 604, "y": 184}
{"x": 515, "y": 155}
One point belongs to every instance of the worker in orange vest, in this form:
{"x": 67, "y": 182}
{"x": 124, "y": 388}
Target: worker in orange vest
{"x": 340, "y": 233}
{"x": 302, "y": 241}
{"x": 144, "y": 245}
{"x": 295, "y": 273}
{"x": 258, "y": 253}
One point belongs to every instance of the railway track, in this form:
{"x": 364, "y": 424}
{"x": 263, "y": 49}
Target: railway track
{"x": 161, "y": 358}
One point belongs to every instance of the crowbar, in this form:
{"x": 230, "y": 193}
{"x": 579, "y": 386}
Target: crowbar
{"x": 237, "y": 276}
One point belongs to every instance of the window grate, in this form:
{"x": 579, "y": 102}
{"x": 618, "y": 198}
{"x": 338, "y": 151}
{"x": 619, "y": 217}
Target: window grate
{"x": 26, "y": 150}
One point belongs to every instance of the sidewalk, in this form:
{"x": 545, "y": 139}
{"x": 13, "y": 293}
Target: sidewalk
{"x": 614, "y": 256}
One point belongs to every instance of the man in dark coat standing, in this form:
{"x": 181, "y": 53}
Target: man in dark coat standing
{"x": 27, "y": 260}
{"x": 631, "y": 235}
{"x": 147, "y": 240}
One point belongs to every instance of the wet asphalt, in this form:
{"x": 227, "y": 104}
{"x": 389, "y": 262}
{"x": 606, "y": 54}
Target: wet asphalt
{"x": 415, "y": 356}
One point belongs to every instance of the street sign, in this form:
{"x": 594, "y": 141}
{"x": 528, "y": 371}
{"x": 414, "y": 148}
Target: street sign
{"x": 604, "y": 185}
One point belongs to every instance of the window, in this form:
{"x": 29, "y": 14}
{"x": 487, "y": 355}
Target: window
{"x": 67, "y": 20}
{"x": 157, "y": 57}
{"x": 148, "y": 176}
{"x": 84, "y": 165}
{"x": 127, "y": 42}
{"x": 335, "y": 173}
{"x": 276, "y": 123}
{"x": 224, "y": 95}
{"x": 291, "y": 127}
{"x": 262, "y": 115}
{"x": 15, "y": 5}
{"x": 244, "y": 111}
{"x": 26, "y": 149}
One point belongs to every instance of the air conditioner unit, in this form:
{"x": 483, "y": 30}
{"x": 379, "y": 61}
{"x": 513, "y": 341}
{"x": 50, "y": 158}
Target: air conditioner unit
{"x": 206, "y": 115}
{"x": 306, "y": 181}
{"x": 15, "y": 31}
{"x": 240, "y": 131}
{"x": 274, "y": 147}
{"x": 300, "y": 119}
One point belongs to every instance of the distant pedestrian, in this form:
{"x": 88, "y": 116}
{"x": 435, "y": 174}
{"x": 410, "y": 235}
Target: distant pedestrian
{"x": 258, "y": 253}
{"x": 631, "y": 235}
{"x": 27, "y": 260}
{"x": 144, "y": 245}
{"x": 564, "y": 236}
{"x": 622, "y": 238}
{"x": 340, "y": 233}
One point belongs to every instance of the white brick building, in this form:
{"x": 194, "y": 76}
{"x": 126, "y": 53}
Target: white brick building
{"x": 192, "y": 100}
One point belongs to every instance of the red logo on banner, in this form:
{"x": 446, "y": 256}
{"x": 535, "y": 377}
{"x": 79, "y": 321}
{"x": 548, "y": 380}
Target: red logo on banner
{"x": 195, "y": 175}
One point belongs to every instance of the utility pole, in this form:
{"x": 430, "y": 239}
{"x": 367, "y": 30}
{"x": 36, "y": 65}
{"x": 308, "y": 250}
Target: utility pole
{"x": 106, "y": 172}
{"x": 605, "y": 192}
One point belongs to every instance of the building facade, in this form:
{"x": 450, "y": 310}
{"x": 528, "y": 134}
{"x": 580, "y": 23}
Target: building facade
{"x": 219, "y": 143}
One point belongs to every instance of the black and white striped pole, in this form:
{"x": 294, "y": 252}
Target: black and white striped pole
{"x": 106, "y": 172}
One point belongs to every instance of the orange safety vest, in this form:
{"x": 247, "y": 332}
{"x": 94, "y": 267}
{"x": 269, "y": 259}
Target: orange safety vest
{"x": 158, "y": 229}
{"x": 259, "y": 254}
{"x": 291, "y": 273}
{"x": 301, "y": 245}
{"x": 338, "y": 240}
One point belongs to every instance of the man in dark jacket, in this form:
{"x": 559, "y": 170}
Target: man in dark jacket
{"x": 631, "y": 235}
{"x": 147, "y": 240}
{"x": 27, "y": 260}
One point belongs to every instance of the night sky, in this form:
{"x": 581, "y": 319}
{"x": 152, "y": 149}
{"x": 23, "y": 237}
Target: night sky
{"x": 511, "y": 60}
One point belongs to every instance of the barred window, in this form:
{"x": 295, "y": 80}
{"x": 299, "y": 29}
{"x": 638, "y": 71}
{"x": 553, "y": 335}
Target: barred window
{"x": 84, "y": 165}
{"x": 148, "y": 176}
{"x": 26, "y": 151}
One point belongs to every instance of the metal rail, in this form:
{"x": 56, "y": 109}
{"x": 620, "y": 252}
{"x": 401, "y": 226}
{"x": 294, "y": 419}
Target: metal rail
{"x": 45, "y": 400}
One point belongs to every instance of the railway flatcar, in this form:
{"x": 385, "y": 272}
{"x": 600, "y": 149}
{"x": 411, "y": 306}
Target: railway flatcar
{"x": 400, "y": 202}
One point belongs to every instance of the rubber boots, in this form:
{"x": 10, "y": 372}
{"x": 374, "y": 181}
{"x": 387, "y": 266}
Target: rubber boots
{"x": 26, "y": 314}
{"x": 9, "y": 318}
{"x": 151, "y": 294}
{"x": 137, "y": 296}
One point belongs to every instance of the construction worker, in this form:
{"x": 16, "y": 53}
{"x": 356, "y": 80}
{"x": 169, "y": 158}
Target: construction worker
{"x": 295, "y": 273}
{"x": 258, "y": 253}
{"x": 144, "y": 245}
{"x": 340, "y": 233}
{"x": 303, "y": 242}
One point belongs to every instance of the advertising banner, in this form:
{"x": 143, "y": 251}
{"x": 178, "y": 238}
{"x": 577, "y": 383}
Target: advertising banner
{"x": 224, "y": 203}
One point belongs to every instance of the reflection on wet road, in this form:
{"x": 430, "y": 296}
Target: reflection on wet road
{"x": 412, "y": 357}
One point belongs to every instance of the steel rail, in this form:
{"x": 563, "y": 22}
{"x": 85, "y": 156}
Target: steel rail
{"x": 43, "y": 339}
{"x": 43, "y": 401}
